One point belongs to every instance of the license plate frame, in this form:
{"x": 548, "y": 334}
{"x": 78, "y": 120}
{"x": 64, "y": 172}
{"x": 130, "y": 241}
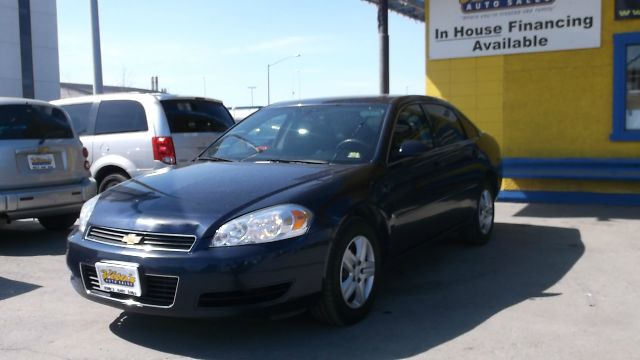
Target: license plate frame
{"x": 41, "y": 161}
{"x": 119, "y": 278}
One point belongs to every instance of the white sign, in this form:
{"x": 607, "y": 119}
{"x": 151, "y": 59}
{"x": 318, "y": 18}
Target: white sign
{"x": 469, "y": 28}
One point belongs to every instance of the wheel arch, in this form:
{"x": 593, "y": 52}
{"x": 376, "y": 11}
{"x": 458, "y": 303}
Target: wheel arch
{"x": 372, "y": 217}
{"x": 107, "y": 170}
{"x": 495, "y": 180}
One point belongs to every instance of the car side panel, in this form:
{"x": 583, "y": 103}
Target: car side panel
{"x": 414, "y": 197}
{"x": 124, "y": 148}
{"x": 462, "y": 176}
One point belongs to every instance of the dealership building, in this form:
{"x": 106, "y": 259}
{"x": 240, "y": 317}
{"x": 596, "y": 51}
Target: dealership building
{"x": 557, "y": 82}
{"x": 29, "y": 49}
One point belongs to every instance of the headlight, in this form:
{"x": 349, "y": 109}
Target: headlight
{"x": 266, "y": 225}
{"x": 85, "y": 212}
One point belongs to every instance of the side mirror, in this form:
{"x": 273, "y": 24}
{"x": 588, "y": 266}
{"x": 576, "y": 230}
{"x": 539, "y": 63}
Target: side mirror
{"x": 411, "y": 148}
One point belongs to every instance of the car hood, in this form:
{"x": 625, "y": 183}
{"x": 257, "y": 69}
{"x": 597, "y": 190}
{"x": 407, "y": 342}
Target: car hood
{"x": 193, "y": 199}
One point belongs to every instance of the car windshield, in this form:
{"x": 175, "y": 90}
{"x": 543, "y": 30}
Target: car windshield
{"x": 313, "y": 134}
{"x": 25, "y": 121}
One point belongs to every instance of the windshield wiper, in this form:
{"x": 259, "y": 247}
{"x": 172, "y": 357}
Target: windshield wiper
{"x": 285, "y": 161}
{"x": 252, "y": 145}
{"x": 212, "y": 158}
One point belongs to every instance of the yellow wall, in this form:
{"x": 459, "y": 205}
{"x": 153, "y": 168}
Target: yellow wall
{"x": 542, "y": 105}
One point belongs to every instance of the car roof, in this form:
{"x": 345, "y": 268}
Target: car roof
{"x": 373, "y": 99}
{"x": 18, "y": 101}
{"x": 131, "y": 96}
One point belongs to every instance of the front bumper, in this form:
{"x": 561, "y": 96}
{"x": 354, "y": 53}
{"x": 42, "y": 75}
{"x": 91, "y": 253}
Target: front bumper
{"x": 46, "y": 201}
{"x": 216, "y": 282}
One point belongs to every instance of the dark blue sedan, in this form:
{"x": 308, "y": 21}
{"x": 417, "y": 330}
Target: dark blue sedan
{"x": 295, "y": 207}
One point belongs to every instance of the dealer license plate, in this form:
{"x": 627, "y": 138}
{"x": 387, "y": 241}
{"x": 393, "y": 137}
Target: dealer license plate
{"x": 122, "y": 278}
{"x": 41, "y": 161}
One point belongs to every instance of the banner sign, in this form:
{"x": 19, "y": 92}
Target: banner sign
{"x": 627, "y": 9}
{"x": 469, "y": 28}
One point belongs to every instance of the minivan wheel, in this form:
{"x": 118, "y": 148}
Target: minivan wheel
{"x": 352, "y": 277}
{"x": 58, "y": 222}
{"x": 110, "y": 181}
{"x": 481, "y": 225}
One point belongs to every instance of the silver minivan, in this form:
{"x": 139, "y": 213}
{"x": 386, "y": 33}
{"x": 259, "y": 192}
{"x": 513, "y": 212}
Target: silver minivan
{"x": 44, "y": 171}
{"x": 132, "y": 134}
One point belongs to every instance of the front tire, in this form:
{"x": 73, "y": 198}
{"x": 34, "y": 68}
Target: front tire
{"x": 352, "y": 277}
{"x": 58, "y": 222}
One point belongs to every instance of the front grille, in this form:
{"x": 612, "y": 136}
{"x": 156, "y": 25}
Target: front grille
{"x": 148, "y": 241}
{"x": 247, "y": 297}
{"x": 157, "y": 290}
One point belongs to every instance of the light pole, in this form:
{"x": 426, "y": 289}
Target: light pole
{"x": 97, "y": 57}
{"x": 383, "y": 31}
{"x": 251, "y": 88}
{"x": 269, "y": 74}
{"x": 204, "y": 85}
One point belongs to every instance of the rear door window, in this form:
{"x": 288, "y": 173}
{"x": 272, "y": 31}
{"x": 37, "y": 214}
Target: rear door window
{"x": 469, "y": 127}
{"x": 119, "y": 116}
{"x": 446, "y": 125}
{"x": 19, "y": 122}
{"x": 79, "y": 114}
{"x": 193, "y": 116}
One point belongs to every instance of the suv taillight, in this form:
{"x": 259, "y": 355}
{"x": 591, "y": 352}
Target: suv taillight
{"x": 163, "y": 149}
{"x": 85, "y": 154}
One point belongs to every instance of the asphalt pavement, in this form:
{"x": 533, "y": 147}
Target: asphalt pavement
{"x": 556, "y": 282}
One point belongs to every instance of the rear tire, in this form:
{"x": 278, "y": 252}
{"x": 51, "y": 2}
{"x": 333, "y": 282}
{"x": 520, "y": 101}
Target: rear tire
{"x": 111, "y": 180}
{"x": 352, "y": 277}
{"x": 58, "y": 222}
{"x": 481, "y": 225}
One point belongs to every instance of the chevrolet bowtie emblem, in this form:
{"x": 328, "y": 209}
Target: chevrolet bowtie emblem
{"x": 131, "y": 239}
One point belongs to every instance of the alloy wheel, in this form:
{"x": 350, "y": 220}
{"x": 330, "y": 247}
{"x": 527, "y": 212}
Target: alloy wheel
{"x": 485, "y": 212}
{"x": 357, "y": 273}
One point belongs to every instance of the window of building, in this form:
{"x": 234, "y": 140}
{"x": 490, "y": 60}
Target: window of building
{"x": 626, "y": 91}
{"x": 118, "y": 116}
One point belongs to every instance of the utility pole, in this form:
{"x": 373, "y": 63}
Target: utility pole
{"x": 269, "y": 74}
{"x": 97, "y": 56}
{"x": 251, "y": 88}
{"x": 383, "y": 32}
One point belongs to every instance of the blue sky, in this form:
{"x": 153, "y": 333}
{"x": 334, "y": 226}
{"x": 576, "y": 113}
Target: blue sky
{"x": 228, "y": 44}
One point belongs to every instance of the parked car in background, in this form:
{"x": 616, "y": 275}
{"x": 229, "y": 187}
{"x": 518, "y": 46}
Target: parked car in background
{"x": 131, "y": 134}
{"x": 44, "y": 171}
{"x": 296, "y": 206}
{"x": 240, "y": 113}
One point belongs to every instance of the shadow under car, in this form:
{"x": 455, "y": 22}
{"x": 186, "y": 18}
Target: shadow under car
{"x": 428, "y": 297}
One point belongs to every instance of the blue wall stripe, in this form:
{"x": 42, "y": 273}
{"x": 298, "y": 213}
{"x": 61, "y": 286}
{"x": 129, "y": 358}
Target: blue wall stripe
{"x": 558, "y": 197}
{"x": 622, "y": 169}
